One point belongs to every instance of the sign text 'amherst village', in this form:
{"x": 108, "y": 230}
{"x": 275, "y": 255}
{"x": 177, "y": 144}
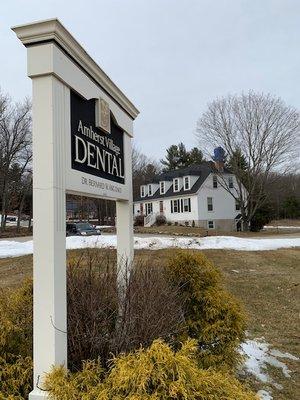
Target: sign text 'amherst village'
{"x": 96, "y": 157}
{"x": 97, "y": 153}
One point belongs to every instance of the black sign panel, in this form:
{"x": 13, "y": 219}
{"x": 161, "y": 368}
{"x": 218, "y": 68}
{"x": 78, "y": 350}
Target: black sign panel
{"x": 93, "y": 151}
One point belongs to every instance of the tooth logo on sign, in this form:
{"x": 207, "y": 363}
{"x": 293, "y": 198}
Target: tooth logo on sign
{"x": 103, "y": 115}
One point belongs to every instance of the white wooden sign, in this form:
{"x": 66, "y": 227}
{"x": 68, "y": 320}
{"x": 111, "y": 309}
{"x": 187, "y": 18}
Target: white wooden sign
{"x": 82, "y": 131}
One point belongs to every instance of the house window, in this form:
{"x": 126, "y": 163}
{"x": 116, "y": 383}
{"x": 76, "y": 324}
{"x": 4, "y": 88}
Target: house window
{"x": 143, "y": 191}
{"x": 175, "y": 206}
{"x": 210, "y": 206}
{"x": 187, "y": 205}
{"x": 162, "y": 187}
{"x": 176, "y": 184}
{"x": 211, "y": 224}
{"x": 215, "y": 181}
{"x": 186, "y": 183}
{"x": 237, "y": 205}
{"x": 181, "y": 205}
{"x": 149, "y": 190}
{"x": 149, "y": 208}
{"x": 230, "y": 182}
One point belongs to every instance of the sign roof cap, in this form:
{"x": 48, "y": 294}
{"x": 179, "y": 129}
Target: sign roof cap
{"x": 53, "y": 30}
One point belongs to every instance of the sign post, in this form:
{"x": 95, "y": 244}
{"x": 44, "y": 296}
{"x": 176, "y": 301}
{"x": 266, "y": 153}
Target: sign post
{"x": 82, "y": 131}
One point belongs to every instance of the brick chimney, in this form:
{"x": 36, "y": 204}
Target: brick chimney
{"x": 219, "y": 158}
{"x": 219, "y": 165}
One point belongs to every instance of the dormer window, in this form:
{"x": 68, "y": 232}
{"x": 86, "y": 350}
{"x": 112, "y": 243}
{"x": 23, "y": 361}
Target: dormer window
{"x": 162, "y": 187}
{"x": 143, "y": 192}
{"x": 186, "y": 183}
{"x": 176, "y": 184}
{"x": 149, "y": 190}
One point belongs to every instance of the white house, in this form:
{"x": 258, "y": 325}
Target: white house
{"x": 193, "y": 195}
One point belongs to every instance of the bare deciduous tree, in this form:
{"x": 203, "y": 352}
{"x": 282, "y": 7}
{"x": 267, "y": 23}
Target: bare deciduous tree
{"x": 286, "y": 187}
{"x": 143, "y": 169}
{"x": 24, "y": 191}
{"x": 15, "y": 144}
{"x": 264, "y": 130}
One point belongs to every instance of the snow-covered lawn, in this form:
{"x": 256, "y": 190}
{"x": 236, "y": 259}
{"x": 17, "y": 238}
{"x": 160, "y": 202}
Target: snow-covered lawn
{"x": 13, "y": 249}
{"x": 259, "y": 356}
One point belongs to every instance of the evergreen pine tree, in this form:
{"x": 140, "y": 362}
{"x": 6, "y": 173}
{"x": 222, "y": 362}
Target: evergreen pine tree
{"x": 195, "y": 156}
{"x": 172, "y": 158}
{"x": 178, "y": 157}
{"x": 291, "y": 207}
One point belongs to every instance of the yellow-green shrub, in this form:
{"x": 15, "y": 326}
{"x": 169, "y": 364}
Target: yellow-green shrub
{"x": 16, "y": 320}
{"x": 156, "y": 373}
{"x": 213, "y": 316}
{"x": 15, "y": 377}
{"x": 16, "y": 342}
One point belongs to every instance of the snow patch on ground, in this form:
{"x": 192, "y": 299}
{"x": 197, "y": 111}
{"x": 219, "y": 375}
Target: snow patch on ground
{"x": 259, "y": 356}
{"x": 280, "y": 227}
{"x": 15, "y": 249}
{"x": 264, "y": 395}
{"x": 10, "y": 248}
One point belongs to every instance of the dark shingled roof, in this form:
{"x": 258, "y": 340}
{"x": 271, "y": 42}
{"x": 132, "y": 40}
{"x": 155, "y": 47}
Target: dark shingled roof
{"x": 201, "y": 170}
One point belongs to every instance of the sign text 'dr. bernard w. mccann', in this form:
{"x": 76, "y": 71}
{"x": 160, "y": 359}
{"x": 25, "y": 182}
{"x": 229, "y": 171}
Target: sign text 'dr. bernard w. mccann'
{"x": 93, "y": 151}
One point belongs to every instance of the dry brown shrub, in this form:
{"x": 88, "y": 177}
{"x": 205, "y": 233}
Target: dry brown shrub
{"x": 152, "y": 307}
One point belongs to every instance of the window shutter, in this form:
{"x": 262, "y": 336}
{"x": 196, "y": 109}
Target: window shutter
{"x": 189, "y": 204}
{"x": 171, "y": 206}
{"x": 181, "y": 205}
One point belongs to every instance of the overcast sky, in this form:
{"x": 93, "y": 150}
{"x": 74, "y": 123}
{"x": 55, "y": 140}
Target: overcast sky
{"x": 170, "y": 57}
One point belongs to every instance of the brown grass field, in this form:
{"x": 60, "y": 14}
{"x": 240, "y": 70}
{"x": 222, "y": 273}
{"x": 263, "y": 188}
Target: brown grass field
{"x": 195, "y": 231}
{"x": 173, "y": 230}
{"x": 267, "y": 282}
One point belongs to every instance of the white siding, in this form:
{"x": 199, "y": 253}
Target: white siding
{"x": 136, "y": 209}
{"x": 223, "y": 202}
